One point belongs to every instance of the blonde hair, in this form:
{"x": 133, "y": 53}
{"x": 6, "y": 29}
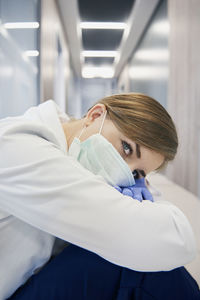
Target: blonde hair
{"x": 143, "y": 120}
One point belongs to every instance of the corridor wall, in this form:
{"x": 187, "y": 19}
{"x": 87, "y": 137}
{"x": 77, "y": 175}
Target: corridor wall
{"x": 148, "y": 67}
{"x": 19, "y": 73}
{"x": 184, "y": 90}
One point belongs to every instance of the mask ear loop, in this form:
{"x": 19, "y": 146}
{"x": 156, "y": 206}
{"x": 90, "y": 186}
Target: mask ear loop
{"x": 83, "y": 129}
{"x": 102, "y": 122}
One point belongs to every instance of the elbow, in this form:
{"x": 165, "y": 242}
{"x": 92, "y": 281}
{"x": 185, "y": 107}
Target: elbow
{"x": 190, "y": 248}
{"x": 186, "y": 246}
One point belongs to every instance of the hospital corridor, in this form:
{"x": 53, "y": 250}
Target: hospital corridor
{"x": 99, "y": 149}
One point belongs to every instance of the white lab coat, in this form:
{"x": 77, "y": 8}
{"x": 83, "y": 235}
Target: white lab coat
{"x": 44, "y": 193}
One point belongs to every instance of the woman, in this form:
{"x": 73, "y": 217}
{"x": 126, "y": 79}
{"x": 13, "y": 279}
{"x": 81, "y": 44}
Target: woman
{"x": 57, "y": 179}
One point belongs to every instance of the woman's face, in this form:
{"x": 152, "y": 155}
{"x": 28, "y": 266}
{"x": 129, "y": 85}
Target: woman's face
{"x": 139, "y": 158}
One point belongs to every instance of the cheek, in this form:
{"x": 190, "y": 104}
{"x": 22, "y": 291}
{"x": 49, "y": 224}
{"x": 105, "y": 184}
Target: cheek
{"x": 151, "y": 161}
{"x": 132, "y": 163}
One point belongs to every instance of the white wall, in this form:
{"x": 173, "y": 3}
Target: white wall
{"x": 92, "y": 90}
{"x": 148, "y": 67}
{"x": 54, "y": 59}
{"x": 74, "y": 96}
{"x": 84, "y": 93}
{"x": 184, "y": 90}
{"x": 19, "y": 87}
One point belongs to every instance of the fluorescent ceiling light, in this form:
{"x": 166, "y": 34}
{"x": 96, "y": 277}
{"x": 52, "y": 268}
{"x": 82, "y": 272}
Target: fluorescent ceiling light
{"x": 103, "y": 25}
{"x": 148, "y": 72}
{"x": 99, "y": 53}
{"x": 161, "y": 27}
{"x": 92, "y": 72}
{"x": 152, "y": 54}
{"x": 31, "y": 53}
{"x": 21, "y": 25}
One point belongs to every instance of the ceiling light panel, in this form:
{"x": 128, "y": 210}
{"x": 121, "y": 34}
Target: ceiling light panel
{"x": 95, "y": 72}
{"x": 21, "y": 25}
{"x": 31, "y": 53}
{"x": 103, "y": 25}
{"x": 104, "y": 10}
{"x": 100, "y": 39}
{"x": 161, "y": 28}
{"x": 99, "y": 53}
{"x": 99, "y": 60}
{"x": 149, "y": 72}
{"x": 152, "y": 54}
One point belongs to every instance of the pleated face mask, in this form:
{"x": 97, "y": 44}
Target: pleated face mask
{"x": 99, "y": 156}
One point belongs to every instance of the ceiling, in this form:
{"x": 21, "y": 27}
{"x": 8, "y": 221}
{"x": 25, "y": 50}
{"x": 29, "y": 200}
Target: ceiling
{"x": 114, "y": 46}
{"x": 104, "y": 10}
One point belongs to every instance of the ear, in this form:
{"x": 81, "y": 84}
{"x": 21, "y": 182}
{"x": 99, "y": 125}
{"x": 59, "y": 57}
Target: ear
{"x": 94, "y": 113}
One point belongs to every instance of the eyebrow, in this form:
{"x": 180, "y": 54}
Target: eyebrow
{"x": 138, "y": 153}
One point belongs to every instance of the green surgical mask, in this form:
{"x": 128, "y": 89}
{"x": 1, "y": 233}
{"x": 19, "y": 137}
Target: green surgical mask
{"x": 99, "y": 156}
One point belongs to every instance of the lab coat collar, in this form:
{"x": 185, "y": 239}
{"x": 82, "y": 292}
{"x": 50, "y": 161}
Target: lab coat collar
{"x": 52, "y": 115}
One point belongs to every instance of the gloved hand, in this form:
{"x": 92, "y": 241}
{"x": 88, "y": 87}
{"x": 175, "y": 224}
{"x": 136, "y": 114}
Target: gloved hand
{"x": 137, "y": 191}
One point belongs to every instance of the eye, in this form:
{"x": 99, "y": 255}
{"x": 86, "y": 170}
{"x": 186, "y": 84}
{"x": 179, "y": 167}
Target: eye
{"x": 127, "y": 148}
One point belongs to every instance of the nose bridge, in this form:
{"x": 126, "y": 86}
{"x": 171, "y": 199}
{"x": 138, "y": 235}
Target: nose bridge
{"x": 132, "y": 165}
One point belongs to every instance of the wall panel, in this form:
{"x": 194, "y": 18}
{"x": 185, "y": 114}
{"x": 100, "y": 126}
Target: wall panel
{"x": 149, "y": 64}
{"x": 184, "y": 90}
{"x": 19, "y": 73}
{"x": 54, "y": 58}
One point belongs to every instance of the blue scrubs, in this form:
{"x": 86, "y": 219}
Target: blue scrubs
{"x": 78, "y": 274}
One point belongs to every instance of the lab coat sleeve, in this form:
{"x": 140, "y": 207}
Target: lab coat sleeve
{"x": 44, "y": 187}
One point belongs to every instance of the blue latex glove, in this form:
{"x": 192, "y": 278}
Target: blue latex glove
{"x": 137, "y": 191}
